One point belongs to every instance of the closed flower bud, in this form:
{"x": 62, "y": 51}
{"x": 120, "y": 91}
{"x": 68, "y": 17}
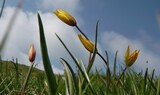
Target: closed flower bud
{"x": 131, "y": 58}
{"x": 86, "y": 43}
{"x": 32, "y": 53}
{"x": 65, "y": 17}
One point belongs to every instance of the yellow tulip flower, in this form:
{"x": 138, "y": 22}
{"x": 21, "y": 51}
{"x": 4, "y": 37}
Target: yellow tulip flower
{"x": 131, "y": 58}
{"x": 86, "y": 43}
{"x": 65, "y": 17}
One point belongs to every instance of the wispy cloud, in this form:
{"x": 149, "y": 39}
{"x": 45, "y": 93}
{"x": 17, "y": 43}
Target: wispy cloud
{"x": 70, "y": 5}
{"x": 147, "y": 58}
{"x": 25, "y": 32}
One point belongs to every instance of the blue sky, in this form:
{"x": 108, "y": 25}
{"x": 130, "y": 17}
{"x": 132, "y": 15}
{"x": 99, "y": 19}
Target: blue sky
{"x": 122, "y": 23}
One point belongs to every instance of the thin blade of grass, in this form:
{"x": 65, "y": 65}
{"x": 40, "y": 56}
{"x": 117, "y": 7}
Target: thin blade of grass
{"x": 115, "y": 63}
{"x": 2, "y": 8}
{"x": 95, "y": 50}
{"x": 85, "y": 72}
{"x": 145, "y": 82}
{"x": 158, "y": 88}
{"x": 26, "y": 80}
{"x": 51, "y": 80}
{"x": 73, "y": 74}
{"x": 151, "y": 81}
{"x": 68, "y": 79}
{"x": 76, "y": 62}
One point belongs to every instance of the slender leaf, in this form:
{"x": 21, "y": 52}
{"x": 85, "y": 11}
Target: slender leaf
{"x": 51, "y": 80}
{"x": 68, "y": 78}
{"x": 2, "y": 8}
{"x": 95, "y": 50}
{"x": 73, "y": 74}
{"x": 115, "y": 62}
{"x": 158, "y": 87}
{"x": 76, "y": 62}
{"x": 145, "y": 82}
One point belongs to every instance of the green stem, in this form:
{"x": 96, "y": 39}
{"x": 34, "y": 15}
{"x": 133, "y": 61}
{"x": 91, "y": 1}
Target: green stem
{"x": 123, "y": 72}
{"x": 103, "y": 60}
{"x": 82, "y": 32}
{"x": 2, "y": 8}
{"x": 89, "y": 59}
{"x": 26, "y": 80}
{"x": 108, "y": 72}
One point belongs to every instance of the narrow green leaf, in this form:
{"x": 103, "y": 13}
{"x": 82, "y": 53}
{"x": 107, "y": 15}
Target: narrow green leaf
{"x": 68, "y": 78}
{"x": 145, "y": 82}
{"x": 51, "y": 80}
{"x": 73, "y": 75}
{"x": 2, "y": 8}
{"x": 76, "y": 62}
{"x": 108, "y": 72}
{"x": 115, "y": 62}
{"x": 158, "y": 88}
{"x": 95, "y": 50}
{"x": 26, "y": 80}
{"x": 151, "y": 82}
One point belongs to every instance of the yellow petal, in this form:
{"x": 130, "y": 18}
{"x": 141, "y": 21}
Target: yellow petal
{"x": 131, "y": 58}
{"x": 86, "y": 43}
{"x": 127, "y": 53}
{"x": 65, "y": 17}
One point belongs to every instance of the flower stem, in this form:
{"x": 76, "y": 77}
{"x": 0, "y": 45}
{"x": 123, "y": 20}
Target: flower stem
{"x": 103, "y": 59}
{"x": 123, "y": 72}
{"x": 22, "y": 90}
{"x": 82, "y": 32}
{"x": 89, "y": 59}
{"x": 107, "y": 64}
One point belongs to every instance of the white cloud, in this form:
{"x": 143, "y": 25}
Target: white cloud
{"x": 70, "y": 5}
{"x": 114, "y": 41}
{"x": 25, "y": 31}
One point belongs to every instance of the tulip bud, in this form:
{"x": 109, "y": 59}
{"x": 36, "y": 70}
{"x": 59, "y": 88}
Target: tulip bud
{"x": 32, "y": 53}
{"x": 65, "y": 17}
{"x": 86, "y": 43}
{"x": 131, "y": 58}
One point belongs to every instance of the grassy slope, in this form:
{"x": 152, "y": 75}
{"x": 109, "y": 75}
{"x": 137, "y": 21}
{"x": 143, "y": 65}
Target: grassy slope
{"x": 10, "y": 66}
{"x": 10, "y": 83}
{"x": 132, "y": 82}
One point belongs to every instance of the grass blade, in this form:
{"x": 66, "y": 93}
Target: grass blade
{"x": 95, "y": 50}
{"x": 68, "y": 79}
{"x": 145, "y": 82}
{"x": 76, "y": 62}
{"x": 158, "y": 88}
{"x": 73, "y": 74}
{"x": 115, "y": 62}
{"x": 51, "y": 80}
{"x": 26, "y": 80}
{"x": 2, "y": 8}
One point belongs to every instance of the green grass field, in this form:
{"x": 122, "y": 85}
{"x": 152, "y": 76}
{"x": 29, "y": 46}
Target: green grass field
{"x": 131, "y": 83}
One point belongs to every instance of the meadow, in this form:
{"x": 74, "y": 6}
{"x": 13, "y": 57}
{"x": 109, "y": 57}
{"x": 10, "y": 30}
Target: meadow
{"x": 18, "y": 79}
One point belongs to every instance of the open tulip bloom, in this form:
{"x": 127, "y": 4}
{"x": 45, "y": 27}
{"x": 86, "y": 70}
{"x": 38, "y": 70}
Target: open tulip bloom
{"x": 131, "y": 58}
